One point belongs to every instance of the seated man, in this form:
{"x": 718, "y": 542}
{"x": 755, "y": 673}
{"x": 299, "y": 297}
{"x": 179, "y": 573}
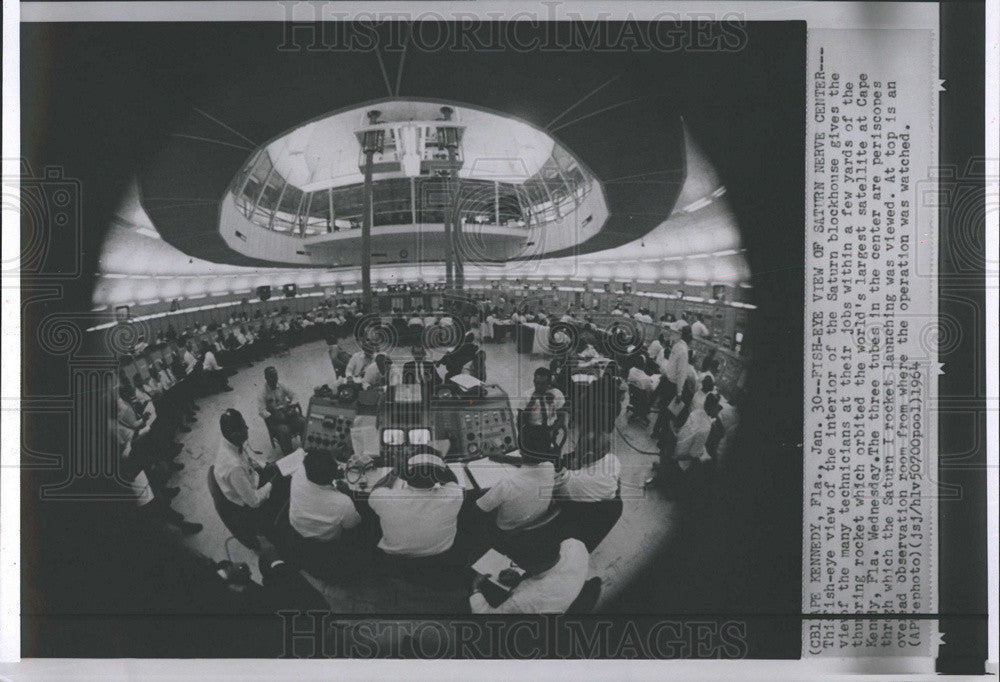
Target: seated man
{"x": 706, "y": 387}
{"x": 710, "y": 369}
{"x": 276, "y": 406}
{"x": 377, "y": 373}
{"x": 642, "y": 386}
{"x": 656, "y": 352}
{"x": 153, "y": 503}
{"x": 339, "y": 358}
{"x": 699, "y": 437}
{"x": 418, "y": 515}
{"x": 359, "y": 363}
{"x": 420, "y": 371}
{"x": 589, "y": 489}
{"x": 215, "y": 375}
{"x": 239, "y": 476}
{"x": 320, "y": 508}
{"x": 699, "y": 330}
{"x": 542, "y": 415}
{"x": 523, "y": 497}
{"x": 554, "y": 575}
{"x": 456, "y": 359}
{"x": 190, "y": 361}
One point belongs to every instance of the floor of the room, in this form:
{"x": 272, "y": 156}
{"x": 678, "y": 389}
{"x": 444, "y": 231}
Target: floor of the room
{"x": 648, "y": 522}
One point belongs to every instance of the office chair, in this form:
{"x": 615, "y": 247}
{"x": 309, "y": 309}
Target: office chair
{"x": 233, "y": 516}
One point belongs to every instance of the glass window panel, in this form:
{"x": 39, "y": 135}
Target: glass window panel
{"x": 290, "y": 200}
{"x": 535, "y": 192}
{"x": 319, "y": 205}
{"x": 272, "y": 191}
{"x": 347, "y": 201}
{"x": 262, "y": 166}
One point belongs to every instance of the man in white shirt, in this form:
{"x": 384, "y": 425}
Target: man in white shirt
{"x": 680, "y": 324}
{"x": 554, "y": 576}
{"x": 655, "y": 351}
{"x": 152, "y": 503}
{"x": 706, "y": 386}
{"x": 596, "y": 482}
{"x": 238, "y": 475}
{"x": 698, "y": 329}
{"x": 339, "y": 358}
{"x": 643, "y": 386}
{"x": 359, "y": 363}
{"x": 589, "y": 489}
{"x": 190, "y": 361}
{"x": 523, "y": 497}
{"x": 729, "y": 417}
{"x": 544, "y": 401}
{"x": 418, "y": 514}
{"x": 276, "y": 407}
{"x": 215, "y": 376}
{"x": 377, "y": 373}
{"x": 698, "y": 438}
{"x": 677, "y": 363}
{"x": 319, "y": 508}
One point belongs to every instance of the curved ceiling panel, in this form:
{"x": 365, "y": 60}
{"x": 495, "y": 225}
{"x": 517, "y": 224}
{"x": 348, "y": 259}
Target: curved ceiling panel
{"x": 625, "y": 133}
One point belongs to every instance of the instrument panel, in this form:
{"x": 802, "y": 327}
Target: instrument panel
{"x": 328, "y": 427}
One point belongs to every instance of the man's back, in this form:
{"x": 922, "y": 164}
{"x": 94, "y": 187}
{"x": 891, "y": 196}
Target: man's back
{"x": 521, "y": 498}
{"x": 417, "y": 522}
{"x": 319, "y": 512}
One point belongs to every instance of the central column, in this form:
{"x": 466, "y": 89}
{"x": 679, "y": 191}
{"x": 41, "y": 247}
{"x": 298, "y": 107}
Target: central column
{"x": 366, "y": 236}
{"x": 455, "y": 236}
{"x": 449, "y": 245}
{"x": 371, "y": 142}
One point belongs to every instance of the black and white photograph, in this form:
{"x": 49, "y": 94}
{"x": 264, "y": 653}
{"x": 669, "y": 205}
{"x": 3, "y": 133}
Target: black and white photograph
{"x": 430, "y": 336}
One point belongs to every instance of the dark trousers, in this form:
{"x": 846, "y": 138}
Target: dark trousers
{"x": 639, "y": 402}
{"x": 589, "y": 522}
{"x": 284, "y": 427}
{"x": 665, "y": 393}
{"x": 440, "y": 570}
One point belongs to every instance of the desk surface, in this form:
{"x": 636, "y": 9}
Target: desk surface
{"x": 476, "y": 475}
